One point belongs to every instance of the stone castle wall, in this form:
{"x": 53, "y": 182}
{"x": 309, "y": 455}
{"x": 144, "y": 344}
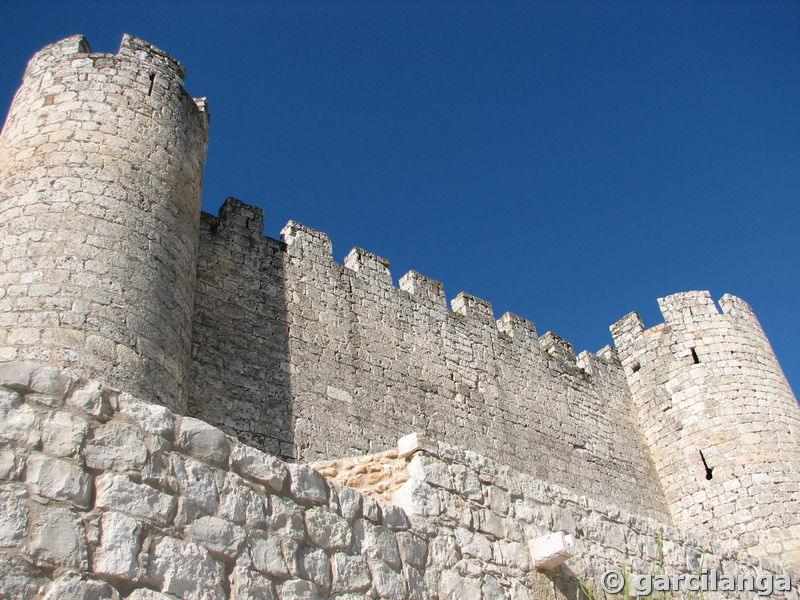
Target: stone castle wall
{"x": 109, "y": 497}
{"x": 310, "y": 359}
{"x": 132, "y": 326}
{"x": 709, "y": 382}
{"x": 102, "y": 161}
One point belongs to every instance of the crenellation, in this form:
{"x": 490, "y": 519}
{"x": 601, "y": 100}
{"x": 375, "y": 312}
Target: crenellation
{"x": 370, "y": 265}
{"x": 423, "y": 288}
{"x": 159, "y": 364}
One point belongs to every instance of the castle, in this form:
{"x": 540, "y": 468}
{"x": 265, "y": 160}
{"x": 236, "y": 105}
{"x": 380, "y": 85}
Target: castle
{"x": 165, "y": 374}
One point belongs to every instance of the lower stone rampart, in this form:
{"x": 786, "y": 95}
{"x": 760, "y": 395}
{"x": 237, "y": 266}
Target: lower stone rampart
{"x": 105, "y": 496}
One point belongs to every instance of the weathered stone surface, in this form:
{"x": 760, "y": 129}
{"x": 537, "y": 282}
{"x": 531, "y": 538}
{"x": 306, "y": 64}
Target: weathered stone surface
{"x": 453, "y": 586}
{"x": 147, "y": 594}
{"x": 327, "y": 529}
{"x": 350, "y": 573}
{"x": 29, "y": 376}
{"x": 413, "y": 548}
{"x": 63, "y": 433}
{"x": 239, "y": 503}
{"x": 247, "y": 584}
{"x": 287, "y": 519}
{"x": 298, "y": 589}
{"x": 377, "y": 542}
{"x": 259, "y": 466}
{"x": 202, "y": 441}
{"x": 58, "y": 479}
{"x": 118, "y": 492}
{"x": 387, "y": 582}
{"x": 75, "y": 587}
{"x": 417, "y": 498}
{"x": 153, "y": 418}
{"x": 218, "y": 535}
{"x": 306, "y": 484}
{"x": 116, "y": 446}
{"x": 196, "y": 482}
{"x": 185, "y": 570}
{"x": 20, "y": 424}
{"x": 16, "y": 581}
{"x": 13, "y": 516}
{"x": 93, "y": 399}
{"x": 119, "y": 546}
{"x": 267, "y": 555}
{"x": 8, "y": 462}
{"x": 58, "y": 538}
{"x": 315, "y": 565}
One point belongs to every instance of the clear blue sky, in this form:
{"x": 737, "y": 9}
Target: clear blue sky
{"x": 568, "y": 162}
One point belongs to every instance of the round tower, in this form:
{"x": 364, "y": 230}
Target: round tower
{"x": 721, "y": 421}
{"x": 101, "y": 168}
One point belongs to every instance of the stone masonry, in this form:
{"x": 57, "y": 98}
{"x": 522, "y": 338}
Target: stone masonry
{"x": 164, "y": 375}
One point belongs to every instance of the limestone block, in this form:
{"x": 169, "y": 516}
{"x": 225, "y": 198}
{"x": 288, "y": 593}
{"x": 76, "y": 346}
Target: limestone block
{"x": 305, "y": 484}
{"x": 411, "y": 443}
{"x": 117, "y": 492}
{"x": 20, "y": 424}
{"x": 315, "y": 565}
{"x": 247, "y": 584}
{"x": 59, "y": 538}
{"x": 93, "y": 399}
{"x": 327, "y": 529}
{"x": 63, "y": 433}
{"x": 387, "y": 582}
{"x": 377, "y": 542}
{"x": 58, "y": 479}
{"x": 417, "y": 498}
{"x": 185, "y": 570}
{"x": 350, "y": 573}
{"x": 153, "y": 418}
{"x": 287, "y": 519}
{"x": 13, "y": 516}
{"x": 76, "y": 587}
{"x": 413, "y": 548}
{"x": 8, "y": 462}
{"x": 119, "y": 546}
{"x": 202, "y": 441}
{"x": 267, "y": 555}
{"x": 259, "y": 466}
{"x": 453, "y": 586}
{"x": 218, "y": 535}
{"x": 298, "y": 589}
{"x": 240, "y": 503}
{"x": 349, "y": 502}
{"x": 196, "y": 482}
{"x": 116, "y": 446}
{"x": 147, "y": 594}
{"x": 27, "y": 376}
{"x": 16, "y": 582}
{"x": 549, "y": 551}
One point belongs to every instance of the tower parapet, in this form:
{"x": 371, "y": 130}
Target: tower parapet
{"x": 721, "y": 421}
{"x": 101, "y": 168}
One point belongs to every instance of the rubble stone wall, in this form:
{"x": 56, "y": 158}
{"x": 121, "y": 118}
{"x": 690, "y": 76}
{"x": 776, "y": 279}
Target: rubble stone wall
{"x": 109, "y": 497}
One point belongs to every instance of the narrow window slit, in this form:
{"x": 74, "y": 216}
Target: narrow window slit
{"x": 694, "y": 356}
{"x": 708, "y": 469}
{"x": 152, "y": 81}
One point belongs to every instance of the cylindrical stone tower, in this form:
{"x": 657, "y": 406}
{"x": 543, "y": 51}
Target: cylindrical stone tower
{"x": 721, "y": 421}
{"x": 101, "y": 169}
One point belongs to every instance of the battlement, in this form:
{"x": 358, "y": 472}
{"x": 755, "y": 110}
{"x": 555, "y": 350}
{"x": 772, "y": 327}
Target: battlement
{"x": 114, "y": 277}
{"x": 356, "y": 358}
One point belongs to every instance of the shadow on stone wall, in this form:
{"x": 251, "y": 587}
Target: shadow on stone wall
{"x": 240, "y": 369}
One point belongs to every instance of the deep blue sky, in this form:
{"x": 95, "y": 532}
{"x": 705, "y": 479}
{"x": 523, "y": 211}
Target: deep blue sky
{"x": 568, "y": 162}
